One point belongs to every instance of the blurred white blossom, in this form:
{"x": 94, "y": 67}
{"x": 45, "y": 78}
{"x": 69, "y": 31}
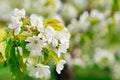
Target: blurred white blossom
{"x": 68, "y": 11}
{"x": 116, "y": 71}
{"x": 103, "y": 57}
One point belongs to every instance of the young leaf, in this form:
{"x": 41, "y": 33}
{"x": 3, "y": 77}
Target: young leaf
{"x": 15, "y": 66}
{"x": 3, "y": 34}
{"x": 8, "y": 48}
{"x": 56, "y": 24}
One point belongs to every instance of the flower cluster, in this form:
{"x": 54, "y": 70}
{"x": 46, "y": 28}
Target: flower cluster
{"x": 43, "y": 41}
{"x": 34, "y": 44}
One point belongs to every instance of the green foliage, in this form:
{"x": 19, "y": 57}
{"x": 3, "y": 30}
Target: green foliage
{"x": 14, "y": 60}
{"x": 25, "y": 52}
{"x": 115, "y": 5}
{"x": 15, "y": 65}
{"x": 91, "y": 73}
{"x": 8, "y": 49}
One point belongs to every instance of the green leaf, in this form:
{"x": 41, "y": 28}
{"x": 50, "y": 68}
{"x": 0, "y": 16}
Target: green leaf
{"x": 15, "y": 64}
{"x": 17, "y": 43}
{"x": 54, "y": 55}
{"x": 8, "y": 48}
{"x": 46, "y": 57}
{"x": 20, "y": 60}
{"x": 24, "y": 50}
{"x": 49, "y": 55}
{"x": 16, "y": 72}
{"x": 1, "y": 59}
{"x": 12, "y": 54}
{"x": 46, "y": 53}
{"x": 115, "y": 5}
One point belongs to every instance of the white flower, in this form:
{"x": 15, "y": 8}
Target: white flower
{"x": 57, "y": 4}
{"x": 96, "y": 14}
{"x": 116, "y": 71}
{"x": 15, "y": 25}
{"x": 46, "y": 33}
{"x": 40, "y": 71}
{"x": 35, "y": 44}
{"x": 80, "y": 25}
{"x": 31, "y": 60}
{"x": 36, "y": 21}
{"x": 84, "y": 16}
{"x": 19, "y": 13}
{"x": 64, "y": 36}
{"x": 78, "y": 61}
{"x": 55, "y": 39}
{"x": 16, "y": 22}
{"x": 117, "y": 16}
{"x": 63, "y": 48}
{"x": 60, "y": 66}
{"x": 68, "y": 11}
{"x": 83, "y": 21}
{"x": 103, "y": 56}
{"x": 81, "y": 3}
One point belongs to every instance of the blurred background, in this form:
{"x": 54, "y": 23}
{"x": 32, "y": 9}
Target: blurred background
{"x": 94, "y": 52}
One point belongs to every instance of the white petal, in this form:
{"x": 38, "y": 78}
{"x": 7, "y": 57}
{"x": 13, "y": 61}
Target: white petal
{"x": 17, "y": 31}
{"x": 11, "y": 26}
{"x": 33, "y": 72}
{"x": 36, "y": 53}
{"x": 19, "y": 13}
{"x": 33, "y": 18}
{"x": 63, "y": 48}
{"x": 29, "y": 39}
{"x": 14, "y": 19}
{"x": 20, "y": 50}
{"x": 22, "y": 12}
{"x": 40, "y": 74}
{"x": 29, "y": 46}
{"x": 50, "y": 32}
{"x": 60, "y": 66}
{"x": 43, "y": 71}
{"x": 64, "y": 35}
{"x": 55, "y": 42}
{"x": 36, "y": 21}
{"x": 59, "y": 53}
{"x": 41, "y": 28}
{"x": 40, "y": 35}
{"x": 47, "y": 73}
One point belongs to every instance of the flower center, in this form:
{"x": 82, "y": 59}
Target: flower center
{"x": 44, "y": 33}
{"x": 35, "y": 41}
